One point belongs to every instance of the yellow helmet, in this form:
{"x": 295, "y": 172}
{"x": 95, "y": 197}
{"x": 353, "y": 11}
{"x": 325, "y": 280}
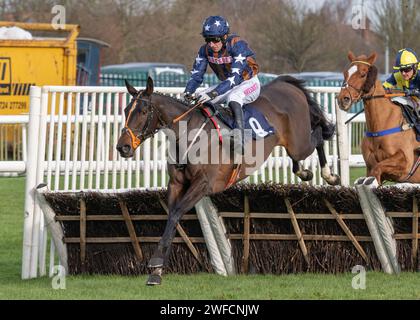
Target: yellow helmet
{"x": 405, "y": 58}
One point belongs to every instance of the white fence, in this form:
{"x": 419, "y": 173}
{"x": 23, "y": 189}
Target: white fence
{"x": 72, "y": 135}
{"x": 10, "y": 166}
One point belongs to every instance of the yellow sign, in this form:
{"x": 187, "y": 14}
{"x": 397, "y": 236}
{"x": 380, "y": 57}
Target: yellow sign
{"x": 5, "y": 76}
{"x": 40, "y": 61}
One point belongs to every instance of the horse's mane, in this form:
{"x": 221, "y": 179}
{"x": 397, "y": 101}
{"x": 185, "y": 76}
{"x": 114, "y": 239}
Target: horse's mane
{"x": 370, "y": 79}
{"x": 172, "y": 98}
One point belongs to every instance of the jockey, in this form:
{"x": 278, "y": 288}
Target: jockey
{"x": 405, "y": 76}
{"x": 234, "y": 64}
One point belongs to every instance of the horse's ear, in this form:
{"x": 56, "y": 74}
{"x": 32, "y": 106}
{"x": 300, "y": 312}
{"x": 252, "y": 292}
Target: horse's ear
{"x": 351, "y": 56}
{"x": 149, "y": 87}
{"x": 370, "y": 79}
{"x": 372, "y": 58}
{"x": 131, "y": 90}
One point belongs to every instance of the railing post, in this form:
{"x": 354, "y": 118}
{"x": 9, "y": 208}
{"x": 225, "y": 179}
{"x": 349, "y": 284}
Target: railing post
{"x": 39, "y": 237}
{"x": 343, "y": 148}
{"x": 147, "y": 163}
{"x": 31, "y": 170}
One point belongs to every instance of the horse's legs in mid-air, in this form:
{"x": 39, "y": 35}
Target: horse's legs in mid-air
{"x": 318, "y": 142}
{"x": 331, "y": 178}
{"x": 303, "y": 174}
{"x": 178, "y": 203}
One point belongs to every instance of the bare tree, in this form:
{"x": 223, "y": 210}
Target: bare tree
{"x": 285, "y": 36}
{"x": 296, "y": 38}
{"x": 397, "y": 22}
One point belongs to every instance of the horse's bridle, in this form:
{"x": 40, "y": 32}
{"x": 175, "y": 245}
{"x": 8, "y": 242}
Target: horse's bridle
{"x": 345, "y": 85}
{"x": 143, "y": 135}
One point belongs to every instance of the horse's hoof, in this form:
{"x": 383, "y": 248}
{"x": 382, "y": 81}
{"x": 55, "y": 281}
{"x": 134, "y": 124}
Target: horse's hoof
{"x": 155, "y": 262}
{"x": 306, "y": 175}
{"x": 334, "y": 180}
{"x": 337, "y": 180}
{"x": 154, "y": 280}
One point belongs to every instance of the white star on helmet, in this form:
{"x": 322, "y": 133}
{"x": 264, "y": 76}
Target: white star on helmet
{"x": 194, "y": 71}
{"x": 217, "y": 23}
{"x": 207, "y": 27}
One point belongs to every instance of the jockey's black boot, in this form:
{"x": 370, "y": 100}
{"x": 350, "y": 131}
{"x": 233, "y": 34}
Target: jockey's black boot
{"x": 417, "y": 122}
{"x": 239, "y": 119}
{"x": 417, "y": 112}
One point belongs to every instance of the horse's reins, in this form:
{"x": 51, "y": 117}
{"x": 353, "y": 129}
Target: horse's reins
{"x": 345, "y": 86}
{"x": 386, "y": 95}
{"x": 236, "y": 168}
{"x": 136, "y": 139}
{"x": 186, "y": 112}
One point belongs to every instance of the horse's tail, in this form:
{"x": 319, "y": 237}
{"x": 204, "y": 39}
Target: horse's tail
{"x": 316, "y": 115}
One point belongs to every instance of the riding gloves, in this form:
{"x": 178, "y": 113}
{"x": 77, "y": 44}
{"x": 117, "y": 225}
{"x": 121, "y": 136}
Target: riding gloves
{"x": 206, "y": 96}
{"x": 188, "y": 97}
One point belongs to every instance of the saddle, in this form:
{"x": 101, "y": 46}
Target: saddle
{"x": 253, "y": 118}
{"x": 410, "y": 113}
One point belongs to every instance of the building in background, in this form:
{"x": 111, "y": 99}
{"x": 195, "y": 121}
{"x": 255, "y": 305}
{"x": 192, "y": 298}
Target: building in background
{"x": 89, "y": 57}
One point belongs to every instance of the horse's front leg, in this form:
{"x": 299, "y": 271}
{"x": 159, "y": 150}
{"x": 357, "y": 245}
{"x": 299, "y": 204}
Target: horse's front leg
{"x": 394, "y": 166}
{"x": 185, "y": 202}
{"x": 175, "y": 193}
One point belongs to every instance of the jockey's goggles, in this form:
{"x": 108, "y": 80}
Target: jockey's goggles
{"x": 213, "y": 39}
{"x": 406, "y": 69}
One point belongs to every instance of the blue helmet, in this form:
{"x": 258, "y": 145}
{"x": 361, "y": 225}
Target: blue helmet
{"x": 215, "y": 26}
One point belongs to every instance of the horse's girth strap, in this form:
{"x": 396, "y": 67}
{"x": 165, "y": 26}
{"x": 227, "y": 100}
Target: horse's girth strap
{"x": 215, "y": 124}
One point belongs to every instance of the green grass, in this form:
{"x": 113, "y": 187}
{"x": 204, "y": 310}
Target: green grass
{"x": 197, "y": 286}
{"x": 210, "y": 287}
{"x": 357, "y": 173}
{"x": 11, "y": 225}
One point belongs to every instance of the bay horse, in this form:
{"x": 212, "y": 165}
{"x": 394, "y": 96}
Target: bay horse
{"x": 299, "y": 123}
{"x": 390, "y": 149}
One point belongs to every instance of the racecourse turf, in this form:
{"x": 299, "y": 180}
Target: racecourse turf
{"x": 196, "y": 286}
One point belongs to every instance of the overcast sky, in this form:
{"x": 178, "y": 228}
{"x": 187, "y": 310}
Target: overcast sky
{"x": 318, "y": 3}
{"x": 368, "y": 4}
